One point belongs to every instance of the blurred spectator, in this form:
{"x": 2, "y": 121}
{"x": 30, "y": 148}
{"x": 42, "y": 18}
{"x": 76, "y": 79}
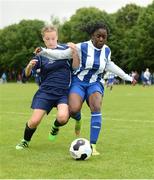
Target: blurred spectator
{"x": 19, "y": 78}
{"x": 147, "y": 77}
{"x": 152, "y": 81}
{"x": 110, "y": 80}
{"x": 4, "y": 78}
{"x": 135, "y": 75}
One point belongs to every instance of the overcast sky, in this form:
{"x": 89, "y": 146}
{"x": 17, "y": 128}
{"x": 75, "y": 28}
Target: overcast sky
{"x": 13, "y": 11}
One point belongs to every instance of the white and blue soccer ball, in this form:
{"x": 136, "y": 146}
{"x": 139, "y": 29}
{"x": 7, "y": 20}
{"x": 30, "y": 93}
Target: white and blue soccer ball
{"x": 80, "y": 149}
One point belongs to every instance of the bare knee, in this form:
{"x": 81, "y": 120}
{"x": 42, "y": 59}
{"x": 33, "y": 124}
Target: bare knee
{"x": 63, "y": 118}
{"x": 74, "y": 109}
{"x": 36, "y": 118}
{"x": 75, "y": 103}
{"x": 95, "y": 102}
{"x": 33, "y": 123}
{"x": 95, "y": 107}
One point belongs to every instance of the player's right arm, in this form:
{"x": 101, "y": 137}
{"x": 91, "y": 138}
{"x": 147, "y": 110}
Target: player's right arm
{"x": 29, "y": 67}
{"x": 75, "y": 55}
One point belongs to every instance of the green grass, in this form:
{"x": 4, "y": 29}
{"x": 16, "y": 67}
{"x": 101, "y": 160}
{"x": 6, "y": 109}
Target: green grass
{"x": 126, "y": 142}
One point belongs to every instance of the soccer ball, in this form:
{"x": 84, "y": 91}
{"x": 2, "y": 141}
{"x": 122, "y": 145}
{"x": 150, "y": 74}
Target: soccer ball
{"x": 80, "y": 149}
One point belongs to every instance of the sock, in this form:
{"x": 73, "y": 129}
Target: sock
{"x": 28, "y": 133}
{"x": 55, "y": 127}
{"x": 96, "y": 121}
{"x": 76, "y": 116}
{"x": 57, "y": 124}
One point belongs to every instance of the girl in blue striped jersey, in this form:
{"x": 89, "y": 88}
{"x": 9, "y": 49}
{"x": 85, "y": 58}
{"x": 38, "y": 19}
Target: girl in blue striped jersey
{"x": 86, "y": 84}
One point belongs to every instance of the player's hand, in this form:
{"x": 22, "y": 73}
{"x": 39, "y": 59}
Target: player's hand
{"x": 72, "y": 46}
{"x": 134, "y": 82}
{"x": 32, "y": 63}
{"x": 37, "y": 50}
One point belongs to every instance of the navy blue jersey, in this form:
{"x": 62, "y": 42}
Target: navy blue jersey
{"x": 54, "y": 76}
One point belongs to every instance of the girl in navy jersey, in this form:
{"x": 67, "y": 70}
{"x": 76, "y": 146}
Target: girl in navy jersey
{"x": 86, "y": 84}
{"x": 54, "y": 84}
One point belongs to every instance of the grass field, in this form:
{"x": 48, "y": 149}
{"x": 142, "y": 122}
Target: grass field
{"x": 126, "y": 142}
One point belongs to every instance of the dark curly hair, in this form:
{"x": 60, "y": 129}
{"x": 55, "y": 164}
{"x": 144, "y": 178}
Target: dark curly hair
{"x": 90, "y": 28}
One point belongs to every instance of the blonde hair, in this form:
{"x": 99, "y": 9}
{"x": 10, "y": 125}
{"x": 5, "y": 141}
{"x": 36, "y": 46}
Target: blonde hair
{"x": 48, "y": 28}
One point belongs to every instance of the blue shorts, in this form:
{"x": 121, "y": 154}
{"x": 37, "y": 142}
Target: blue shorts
{"x": 85, "y": 89}
{"x": 48, "y": 104}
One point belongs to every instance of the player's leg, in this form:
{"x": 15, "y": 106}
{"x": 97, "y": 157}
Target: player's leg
{"x": 76, "y": 99}
{"x": 95, "y": 93}
{"x": 61, "y": 120}
{"x": 78, "y": 123}
{"x": 30, "y": 127}
{"x": 75, "y": 104}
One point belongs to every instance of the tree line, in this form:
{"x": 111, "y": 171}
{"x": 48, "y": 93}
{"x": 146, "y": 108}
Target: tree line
{"x": 131, "y": 37}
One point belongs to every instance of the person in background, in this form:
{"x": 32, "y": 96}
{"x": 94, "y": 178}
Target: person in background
{"x": 147, "y": 76}
{"x": 19, "y": 78}
{"x": 135, "y": 75}
{"x": 152, "y": 77}
{"x": 4, "y": 78}
{"x": 54, "y": 84}
{"x": 110, "y": 80}
{"x": 95, "y": 58}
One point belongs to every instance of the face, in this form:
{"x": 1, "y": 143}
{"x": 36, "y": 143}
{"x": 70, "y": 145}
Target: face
{"x": 99, "y": 38}
{"x": 50, "y": 39}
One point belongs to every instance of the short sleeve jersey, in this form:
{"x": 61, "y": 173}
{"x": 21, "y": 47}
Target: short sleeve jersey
{"x": 55, "y": 75}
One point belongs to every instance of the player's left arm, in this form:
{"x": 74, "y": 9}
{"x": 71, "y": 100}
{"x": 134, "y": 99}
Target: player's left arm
{"x": 111, "y": 66}
{"x": 118, "y": 71}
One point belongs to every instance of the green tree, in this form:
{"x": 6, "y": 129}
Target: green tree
{"x": 18, "y": 42}
{"x": 72, "y": 30}
{"x": 145, "y": 39}
{"x": 55, "y": 21}
{"x": 123, "y": 39}
{"x": 139, "y": 40}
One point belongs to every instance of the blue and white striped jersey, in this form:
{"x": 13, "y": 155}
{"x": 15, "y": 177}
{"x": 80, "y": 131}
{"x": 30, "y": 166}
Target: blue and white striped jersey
{"x": 93, "y": 61}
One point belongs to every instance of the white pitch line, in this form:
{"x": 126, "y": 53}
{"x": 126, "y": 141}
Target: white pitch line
{"x": 120, "y": 120}
{"x": 85, "y": 117}
{"x": 134, "y": 120}
{"x": 19, "y": 113}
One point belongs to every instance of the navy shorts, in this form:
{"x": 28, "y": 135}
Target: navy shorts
{"x": 48, "y": 104}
